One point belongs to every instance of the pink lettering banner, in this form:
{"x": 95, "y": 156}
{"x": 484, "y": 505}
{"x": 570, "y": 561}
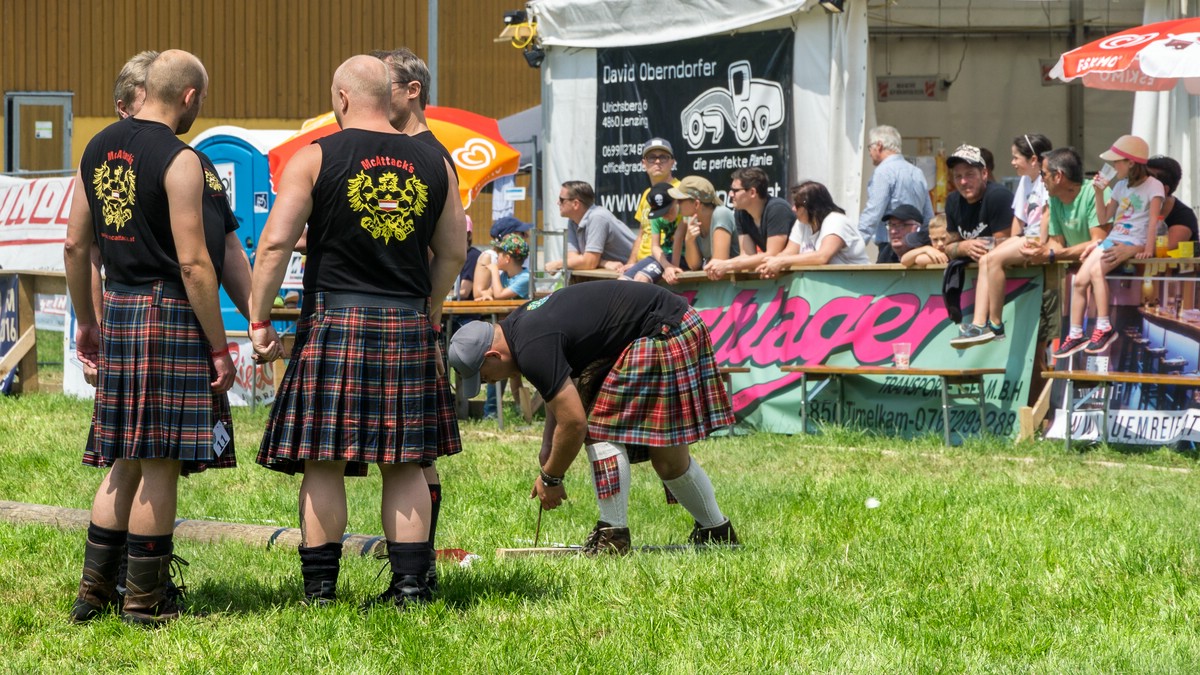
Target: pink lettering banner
{"x": 853, "y": 317}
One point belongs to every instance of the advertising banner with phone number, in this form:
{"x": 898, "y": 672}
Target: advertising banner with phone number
{"x": 723, "y": 102}
{"x": 854, "y": 317}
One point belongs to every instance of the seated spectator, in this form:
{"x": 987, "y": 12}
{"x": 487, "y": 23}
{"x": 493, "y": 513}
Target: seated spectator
{"x": 482, "y": 278}
{"x": 763, "y": 223}
{"x": 465, "y": 288}
{"x": 927, "y": 246}
{"x": 901, "y": 222}
{"x": 979, "y": 211}
{"x": 595, "y": 237}
{"x": 1180, "y": 219}
{"x": 663, "y": 217}
{"x": 509, "y": 277}
{"x": 709, "y": 232}
{"x": 1029, "y": 211}
{"x": 822, "y": 235}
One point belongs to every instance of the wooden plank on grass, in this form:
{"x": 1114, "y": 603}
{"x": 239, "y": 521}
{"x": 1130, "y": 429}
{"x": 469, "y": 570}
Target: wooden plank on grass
{"x": 558, "y": 551}
{"x": 1030, "y": 417}
{"x": 18, "y": 351}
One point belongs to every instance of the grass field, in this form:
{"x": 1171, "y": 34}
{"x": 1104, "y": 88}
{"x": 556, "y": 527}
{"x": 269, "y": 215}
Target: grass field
{"x": 985, "y": 558}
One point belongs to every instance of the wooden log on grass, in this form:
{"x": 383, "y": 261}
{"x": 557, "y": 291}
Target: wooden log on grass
{"x": 205, "y": 531}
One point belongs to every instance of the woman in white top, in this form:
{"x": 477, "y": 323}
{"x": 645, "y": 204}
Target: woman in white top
{"x": 822, "y": 234}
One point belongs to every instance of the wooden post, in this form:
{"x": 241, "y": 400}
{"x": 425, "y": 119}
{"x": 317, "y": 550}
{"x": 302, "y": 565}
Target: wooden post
{"x": 28, "y": 382}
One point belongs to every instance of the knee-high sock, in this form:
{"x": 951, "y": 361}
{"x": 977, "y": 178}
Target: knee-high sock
{"x": 695, "y": 493}
{"x": 614, "y": 509}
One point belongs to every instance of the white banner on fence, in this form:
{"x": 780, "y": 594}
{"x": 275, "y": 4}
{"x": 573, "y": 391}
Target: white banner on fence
{"x": 33, "y": 222}
{"x": 1132, "y": 427}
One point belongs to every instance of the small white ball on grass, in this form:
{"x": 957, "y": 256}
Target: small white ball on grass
{"x": 468, "y": 560}
{"x": 871, "y": 503}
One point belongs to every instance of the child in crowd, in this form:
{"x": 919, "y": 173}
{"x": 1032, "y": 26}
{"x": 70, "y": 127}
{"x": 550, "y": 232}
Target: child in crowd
{"x": 1029, "y": 210}
{"x": 1136, "y": 202}
{"x": 510, "y": 279}
{"x": 928, "y": 246}
{"x": 664, "y": 222}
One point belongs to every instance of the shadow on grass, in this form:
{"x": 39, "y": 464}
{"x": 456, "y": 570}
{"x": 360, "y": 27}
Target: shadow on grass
{"x": 241, "y": 596}
{"x": 465, "y": 590}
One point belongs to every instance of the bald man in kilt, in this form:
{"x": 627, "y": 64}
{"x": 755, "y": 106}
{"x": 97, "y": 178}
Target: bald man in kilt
{"x": 365, "y": 383}
{"x": 629, "y": 369}
{"x": 162, "y": 225}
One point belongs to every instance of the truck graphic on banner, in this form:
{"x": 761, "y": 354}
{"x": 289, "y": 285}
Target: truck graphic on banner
{"x": 751, "y": 106}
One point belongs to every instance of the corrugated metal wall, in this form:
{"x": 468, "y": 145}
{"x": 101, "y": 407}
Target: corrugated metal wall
{"x": 266, "y": 58}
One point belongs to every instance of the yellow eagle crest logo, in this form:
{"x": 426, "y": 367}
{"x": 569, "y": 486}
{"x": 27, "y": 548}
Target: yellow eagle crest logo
{"x": 116, "y": 191}
{"x": 389, "y": 207}
{"x": 214, "y": 183}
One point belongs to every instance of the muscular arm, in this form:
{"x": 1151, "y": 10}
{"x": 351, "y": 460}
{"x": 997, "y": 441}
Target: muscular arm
{"x": 77, "y": 256}
{"x": 284, "y": 227}
{"x": 184, "y": 185}
{"x": 449, "y": 246}
{"x": 566, "y": 432}
{"x": 236, "y": 275}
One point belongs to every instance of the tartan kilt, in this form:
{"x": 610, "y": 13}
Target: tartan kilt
{"x": 362, "y": 386}
{"x": 663, "y": 391}
{"x": 153, "y": 399}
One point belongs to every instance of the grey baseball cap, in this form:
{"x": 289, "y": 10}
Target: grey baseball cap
{"x": 467, "y": 349}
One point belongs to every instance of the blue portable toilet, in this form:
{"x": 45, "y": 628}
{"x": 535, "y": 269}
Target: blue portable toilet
{"x": 240, "y": 157}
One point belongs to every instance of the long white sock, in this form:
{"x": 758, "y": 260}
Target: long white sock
{"x": 695, "y": 492}
{"x": 614, "y": 510}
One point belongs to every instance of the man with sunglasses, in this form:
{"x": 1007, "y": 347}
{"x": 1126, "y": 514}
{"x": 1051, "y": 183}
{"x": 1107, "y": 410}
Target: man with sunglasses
{"x": 595, "y": 237}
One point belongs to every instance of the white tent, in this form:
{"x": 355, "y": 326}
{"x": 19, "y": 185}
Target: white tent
{"x": 830, "y": 84}
{"x": 1170, "y": 120}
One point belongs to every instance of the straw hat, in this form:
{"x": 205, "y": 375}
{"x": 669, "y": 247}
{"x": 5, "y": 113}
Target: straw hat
{"x": 1127, "y": 147}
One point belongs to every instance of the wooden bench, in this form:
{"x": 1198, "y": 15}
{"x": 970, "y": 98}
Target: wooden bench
{"x": 1103, "y": 382}
{"x": 961, "y": 377}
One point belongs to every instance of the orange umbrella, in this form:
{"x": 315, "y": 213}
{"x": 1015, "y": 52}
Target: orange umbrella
{"x": 479, "y": 151}
{"x": 1153, "y": 57}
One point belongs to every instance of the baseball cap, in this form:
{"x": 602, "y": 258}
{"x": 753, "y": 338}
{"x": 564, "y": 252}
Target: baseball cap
{"x": 657, "y": 143}
{"x": 1127, "y": 147}
{"x": 468, "y": 346}
{"x": 905, "y": 212}
{"x": 660, "y": 199}
{"x": 966, "y": 153}
{"x": 512, "y": 244}
{"x": 695, "y": 187}
{"x": 507, "y": 225}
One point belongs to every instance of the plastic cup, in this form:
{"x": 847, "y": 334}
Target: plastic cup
{"x": 900, "y": 353}
{"x": 1109, "y": 172}
{"x": 988, "y": 242}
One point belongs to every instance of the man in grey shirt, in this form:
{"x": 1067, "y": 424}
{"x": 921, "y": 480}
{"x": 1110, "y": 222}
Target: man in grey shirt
{"x": 595, "y": 237}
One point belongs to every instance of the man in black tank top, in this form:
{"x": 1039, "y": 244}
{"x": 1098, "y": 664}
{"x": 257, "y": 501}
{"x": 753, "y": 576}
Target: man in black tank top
{"x": 410, "y": 95}
{"x": 365, "y": 381}
{"x": 139, "y": 197}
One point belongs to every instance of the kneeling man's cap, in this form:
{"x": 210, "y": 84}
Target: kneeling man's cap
{"x": 467, "y": 349}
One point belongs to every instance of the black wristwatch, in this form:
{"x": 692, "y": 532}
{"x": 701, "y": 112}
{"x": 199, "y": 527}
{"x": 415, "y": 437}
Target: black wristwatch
{"x": 548, "y": 480}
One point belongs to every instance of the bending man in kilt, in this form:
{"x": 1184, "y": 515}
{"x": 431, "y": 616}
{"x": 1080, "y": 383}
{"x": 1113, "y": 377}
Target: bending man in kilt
{"x": 629, "y": 368}
{"x": 162, "y": 225}
{"x": 365, "y": 381}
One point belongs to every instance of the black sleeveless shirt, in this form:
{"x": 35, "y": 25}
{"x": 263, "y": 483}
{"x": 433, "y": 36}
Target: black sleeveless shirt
{"x": 376, "y": 203}
{"x": 123, "y": 169}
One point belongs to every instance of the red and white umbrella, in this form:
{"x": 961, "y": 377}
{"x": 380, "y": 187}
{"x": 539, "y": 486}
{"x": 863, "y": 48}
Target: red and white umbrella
{"x": 479, "y": 151}
{"x": 1154, "y": 57}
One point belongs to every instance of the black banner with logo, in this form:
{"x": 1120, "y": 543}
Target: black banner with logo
{"x": 722, "y": 102}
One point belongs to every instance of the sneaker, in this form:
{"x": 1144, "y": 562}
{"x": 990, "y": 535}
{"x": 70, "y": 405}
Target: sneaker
{"x": 997, "y": 331}
{"x": 1101, "y": 340}
{"x": 970, "y": 335}
{"x": 1069, "y": 346}
{"x": 716, "y": 535}
{"x": 607, "y": 539}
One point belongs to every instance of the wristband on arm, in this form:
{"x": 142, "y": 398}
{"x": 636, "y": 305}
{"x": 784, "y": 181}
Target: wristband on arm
{"x": 259, "y": 325}
{"x": 218, "y": 353}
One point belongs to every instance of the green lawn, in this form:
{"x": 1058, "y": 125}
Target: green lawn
{"x": 985, "y": 558}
